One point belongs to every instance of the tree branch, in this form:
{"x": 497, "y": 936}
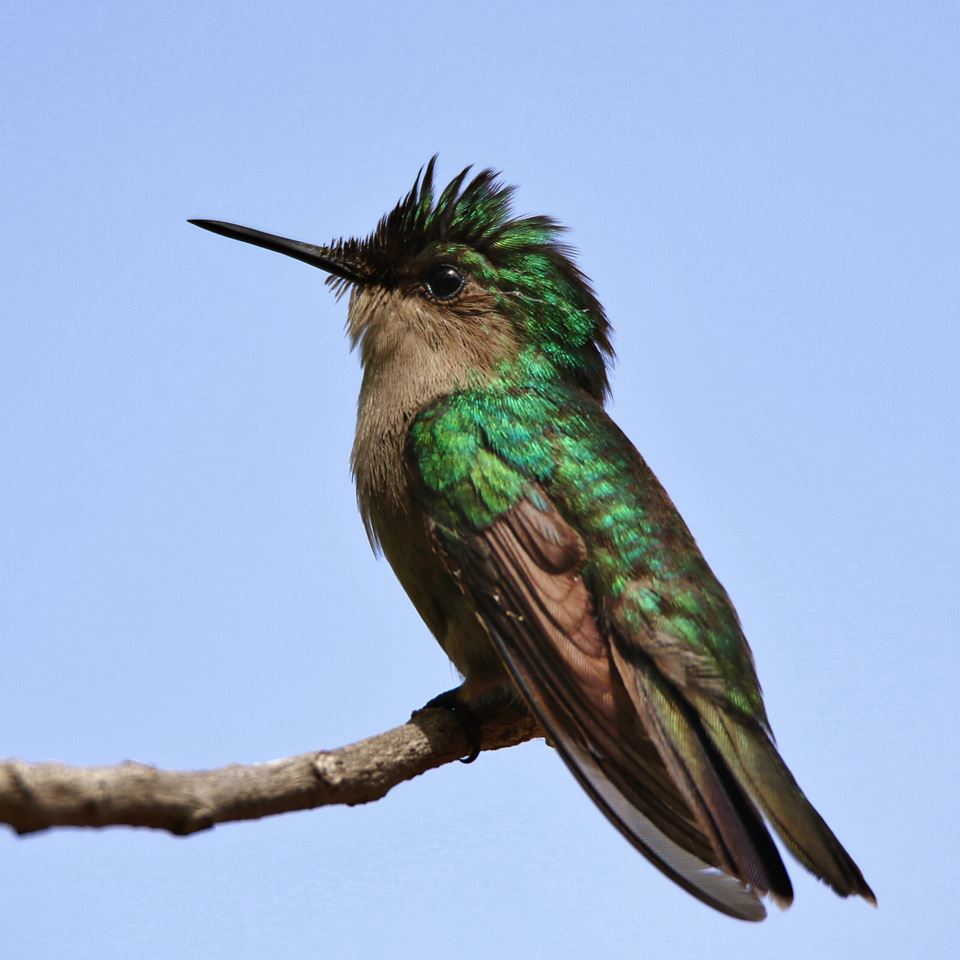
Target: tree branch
{"x": 37, "y": 796}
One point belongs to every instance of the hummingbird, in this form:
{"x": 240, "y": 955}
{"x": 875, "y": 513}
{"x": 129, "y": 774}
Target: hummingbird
{"x": 540, "y": 549}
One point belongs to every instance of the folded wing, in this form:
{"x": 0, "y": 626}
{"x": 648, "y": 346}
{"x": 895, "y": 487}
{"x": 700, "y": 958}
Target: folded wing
{"x": 645, "y": 765}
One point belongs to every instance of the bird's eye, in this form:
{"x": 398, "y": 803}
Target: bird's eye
{"x": 444, "y": 282}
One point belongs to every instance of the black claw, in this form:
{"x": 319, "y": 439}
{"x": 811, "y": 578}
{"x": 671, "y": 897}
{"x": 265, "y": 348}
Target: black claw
{"x": 467, "y": 719}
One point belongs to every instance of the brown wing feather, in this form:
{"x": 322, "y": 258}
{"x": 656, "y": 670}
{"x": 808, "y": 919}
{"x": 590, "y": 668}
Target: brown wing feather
{"x": 554, "y": 637}
{"x": 524, "y": 573}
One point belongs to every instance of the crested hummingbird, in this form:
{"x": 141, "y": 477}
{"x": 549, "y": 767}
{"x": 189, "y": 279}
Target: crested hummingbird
{"x": 540, "y": 549}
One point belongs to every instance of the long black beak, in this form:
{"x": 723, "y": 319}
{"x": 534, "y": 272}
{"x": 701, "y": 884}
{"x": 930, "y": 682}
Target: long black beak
{"x": 321, "y": 257}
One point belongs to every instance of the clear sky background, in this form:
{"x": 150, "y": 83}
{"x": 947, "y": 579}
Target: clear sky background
{"x": 766, "y": 197}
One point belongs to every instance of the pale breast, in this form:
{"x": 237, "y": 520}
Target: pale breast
{"x": 412, "y": 357}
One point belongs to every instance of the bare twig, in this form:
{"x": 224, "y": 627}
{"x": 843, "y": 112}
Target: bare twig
{"x": 37, "y": 796}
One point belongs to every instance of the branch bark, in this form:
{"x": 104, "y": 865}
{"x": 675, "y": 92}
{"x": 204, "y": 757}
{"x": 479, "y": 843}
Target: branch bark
{"x": 38, "y": 796}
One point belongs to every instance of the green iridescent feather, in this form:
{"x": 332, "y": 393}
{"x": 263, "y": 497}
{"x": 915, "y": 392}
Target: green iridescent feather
{"x": 480, "y": 451}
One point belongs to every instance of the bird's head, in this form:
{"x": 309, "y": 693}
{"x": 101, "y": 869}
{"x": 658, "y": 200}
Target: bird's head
{"x": 455, "y": 269}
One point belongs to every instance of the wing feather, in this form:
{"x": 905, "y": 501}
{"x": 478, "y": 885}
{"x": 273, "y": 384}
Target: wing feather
{"x": 524, "y": 571}
{"x": 639, "y": 673}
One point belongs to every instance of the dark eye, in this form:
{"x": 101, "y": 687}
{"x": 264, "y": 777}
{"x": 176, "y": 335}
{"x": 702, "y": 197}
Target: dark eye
{"x": 444, "y": 282}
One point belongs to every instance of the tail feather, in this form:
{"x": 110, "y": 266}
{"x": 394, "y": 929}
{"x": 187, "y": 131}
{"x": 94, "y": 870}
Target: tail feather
{"x": 758, "y": 766}
{"x": 713, "y": 886}
{"x": 724, "y": 812}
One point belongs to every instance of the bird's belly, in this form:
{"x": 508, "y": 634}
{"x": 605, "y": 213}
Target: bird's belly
{"x": 447, "y": 611}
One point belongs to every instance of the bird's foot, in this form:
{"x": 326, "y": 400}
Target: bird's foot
{"x": 454, "y": 701}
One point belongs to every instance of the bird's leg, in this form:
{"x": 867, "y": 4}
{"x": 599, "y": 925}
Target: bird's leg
{"x": 454, "y": 701}
{"x": 480, "y": 697}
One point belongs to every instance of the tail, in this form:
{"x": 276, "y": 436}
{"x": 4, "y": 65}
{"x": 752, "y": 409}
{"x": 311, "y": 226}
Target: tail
{"x": 714, "y": 794}
{"x": 726, "y": 768}
{"x": 755, "y": 763}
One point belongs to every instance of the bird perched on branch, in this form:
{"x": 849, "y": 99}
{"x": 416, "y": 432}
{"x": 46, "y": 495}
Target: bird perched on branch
{"x": 540, "y": 549}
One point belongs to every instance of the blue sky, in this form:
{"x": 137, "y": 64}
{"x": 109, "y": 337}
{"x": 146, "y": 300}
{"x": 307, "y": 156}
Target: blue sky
{"x": 766, "y": 198}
